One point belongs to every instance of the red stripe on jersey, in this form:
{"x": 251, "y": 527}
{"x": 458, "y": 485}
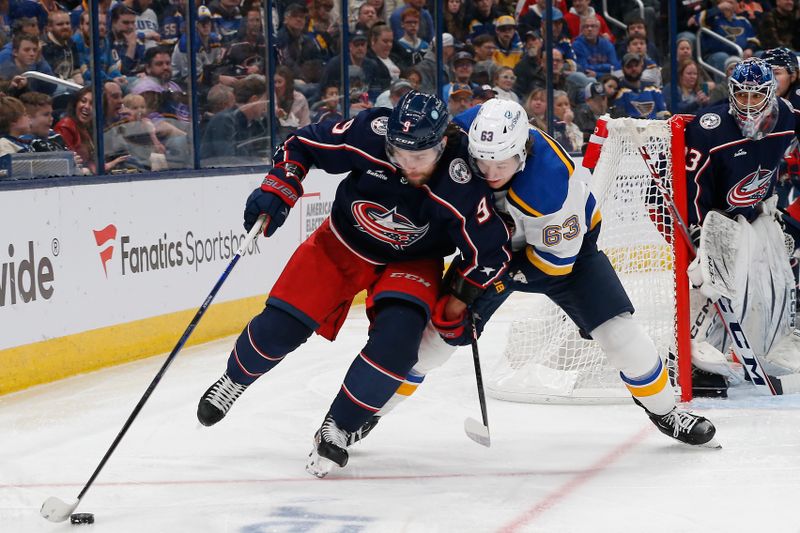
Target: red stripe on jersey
{"x": 259, "y": 352}
{"x": 359, "y": 402}
{"x": 380, "y": 369}
{"x": 241, "y": 366}
{"x": 348, "y": 147}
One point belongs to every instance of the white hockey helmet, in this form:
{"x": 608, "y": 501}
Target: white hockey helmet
{"x": 500, "y": 131}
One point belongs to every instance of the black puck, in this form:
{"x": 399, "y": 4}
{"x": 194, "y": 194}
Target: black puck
{"x": 81, "y": 518}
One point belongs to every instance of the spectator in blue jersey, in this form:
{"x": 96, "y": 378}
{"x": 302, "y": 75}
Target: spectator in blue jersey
{"x": 109, "y": 67}
{"x": 228, "y": 18}
{"x": 28, "y": 9}
{"x": 208, "y": 50}
{"x": 24, "y": 58}
{"x": 125, "y": 44}
{"x": 634, "y": 99}
{"x": 170, "y": 22}
{"x": 594, "y": 54}
{"x": 59, "y": 49}
{"x": 562, "y": 41}
{"x": 409, "y": 48}
{"x": 692, "y": 95}
{"x": 481, "y": 18}
{"x": 723, "y": 21}
{"x": 296, "y": 49}
{"x": 426, "y": 29}
{"x": 328, "y": 106}
{"x": 509, "y": 45}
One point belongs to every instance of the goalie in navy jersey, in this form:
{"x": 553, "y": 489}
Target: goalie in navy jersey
{"x": 409, "y": 200}
{"x": 556, "y": 226}
{"x": 733, "y": 155}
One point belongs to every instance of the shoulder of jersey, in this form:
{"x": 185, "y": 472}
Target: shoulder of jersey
{"x": 542, "y": 186}
{"x": 711, "y": 118}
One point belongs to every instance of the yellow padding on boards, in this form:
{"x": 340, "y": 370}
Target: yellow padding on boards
{"x": 62, "y": 357}
{"x": 654, "y": 388}
{"x": 406, "y": 389}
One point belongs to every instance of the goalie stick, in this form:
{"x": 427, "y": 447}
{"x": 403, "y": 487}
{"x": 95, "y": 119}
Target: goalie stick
{"x": 477, "y": 431}
{"x": 55, "y": 509}
{"x": 741, "y": 346}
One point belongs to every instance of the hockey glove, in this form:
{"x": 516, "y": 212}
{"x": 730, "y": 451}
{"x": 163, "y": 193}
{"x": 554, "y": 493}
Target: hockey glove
{"x": 456, "y": 332}
{"x": 695, "y": 274}
{"x": 276, "y": 196}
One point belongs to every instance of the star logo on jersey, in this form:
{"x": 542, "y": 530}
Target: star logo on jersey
{"x": 387, "y": 225}
{"x": 751, "y": 189}
{"x": 643, "y": 108}
{"x": 488, "y": 270}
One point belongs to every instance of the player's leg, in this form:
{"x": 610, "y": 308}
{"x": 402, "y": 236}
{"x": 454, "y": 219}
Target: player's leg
{"x": 399, "y": 306}
{"x": 594, "y": 298}
{"x": 290, "y": 316}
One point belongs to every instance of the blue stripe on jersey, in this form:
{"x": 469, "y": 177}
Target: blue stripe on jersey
{"x": 554, "y": 259}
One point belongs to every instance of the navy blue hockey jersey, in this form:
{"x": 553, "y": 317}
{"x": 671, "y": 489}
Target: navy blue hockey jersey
{"x": 383, "y": 219}
{"x": 728, "y": 172}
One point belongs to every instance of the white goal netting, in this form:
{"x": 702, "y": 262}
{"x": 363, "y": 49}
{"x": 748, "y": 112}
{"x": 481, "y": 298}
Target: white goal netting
{"x": 545, "y": 359}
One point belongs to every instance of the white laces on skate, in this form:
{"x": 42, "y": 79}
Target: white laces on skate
{"x": 333, "y": 434}
{"x": 681, "y": 421}
{"x": 224, "y": 393}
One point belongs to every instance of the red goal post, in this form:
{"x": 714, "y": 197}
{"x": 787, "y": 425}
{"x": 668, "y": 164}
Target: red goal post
{"x": 545, "y": 359}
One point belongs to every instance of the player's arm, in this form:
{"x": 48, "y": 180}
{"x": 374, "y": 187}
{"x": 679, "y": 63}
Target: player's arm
{"x": 699, "y": 175}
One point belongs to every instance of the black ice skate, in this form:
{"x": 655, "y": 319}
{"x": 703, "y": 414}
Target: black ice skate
{"x": 363, "y": 431}
{"x": 330, "y": 448}
{"x": 685, "y": 427}
{"x": 218, "y": 399}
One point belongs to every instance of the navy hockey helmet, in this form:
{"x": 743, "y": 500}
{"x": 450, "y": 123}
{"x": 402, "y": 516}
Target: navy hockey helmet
{"x": 751, "y": 93}
{"x": 781, "y": 57}
{"x": 417, "y": 122}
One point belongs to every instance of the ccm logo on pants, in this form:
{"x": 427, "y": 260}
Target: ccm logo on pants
{"x": 412, "y": 277}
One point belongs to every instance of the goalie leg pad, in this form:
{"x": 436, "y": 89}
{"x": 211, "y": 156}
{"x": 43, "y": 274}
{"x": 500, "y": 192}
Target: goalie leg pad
{"x": 631, "y": 351}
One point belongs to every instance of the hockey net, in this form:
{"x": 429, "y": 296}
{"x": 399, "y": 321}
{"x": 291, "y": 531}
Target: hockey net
{"x": 546, "y": 360}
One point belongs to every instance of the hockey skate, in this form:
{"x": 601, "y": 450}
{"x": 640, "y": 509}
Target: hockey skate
{"x": 218, "y": 399}
{"x": 363, "y": 431}
{"x": 330, "y": 449}
{"x": 685, "y": 427}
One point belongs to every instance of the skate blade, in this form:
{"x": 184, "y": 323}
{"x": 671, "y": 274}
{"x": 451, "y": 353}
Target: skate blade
{"x": 712, "y": 444}
{"x": 319, "y": 466}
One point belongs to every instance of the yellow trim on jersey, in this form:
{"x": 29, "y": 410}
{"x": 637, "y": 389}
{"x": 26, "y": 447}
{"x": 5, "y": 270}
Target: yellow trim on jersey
{"x": 597, "y": 217}
{"x": 564, "y": 156}
{"x": 406, "y": 389}
{"x": 546, "y": 267}
{"x": 651, "y": 389}
{"x": 520, "y": 202}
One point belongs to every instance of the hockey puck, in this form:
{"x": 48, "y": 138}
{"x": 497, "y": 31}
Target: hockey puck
{"x": 81, "y": 518}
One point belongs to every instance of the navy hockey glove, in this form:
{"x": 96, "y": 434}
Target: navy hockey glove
{"x": 276, "y": 196}
{"x": 456, "y": 332}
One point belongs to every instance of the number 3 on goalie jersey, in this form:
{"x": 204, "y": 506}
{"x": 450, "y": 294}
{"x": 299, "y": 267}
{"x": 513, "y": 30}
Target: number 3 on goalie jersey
{"x": 552, "y": 235}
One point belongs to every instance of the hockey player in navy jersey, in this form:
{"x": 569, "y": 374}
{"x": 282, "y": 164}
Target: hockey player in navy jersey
{"x": 409, "y": 200}
{"x": 557, "y": 223}
{"x": 733, "y": 153}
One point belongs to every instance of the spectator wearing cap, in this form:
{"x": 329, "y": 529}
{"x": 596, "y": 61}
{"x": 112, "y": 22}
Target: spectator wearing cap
{"x": 509, "y": 45}
{"x": 595, "y": 105}
{"x": 207, "y": 48}
{"x": 358, "y": 57}
{"x": 109, "y": 65}
{"x": 296, "y": 49}
{"x": 481, "y": 19}
{"x": 381, "y": 43}
{"x": 594, "y": 54}
{"x": 391, "y": 96}
{"x": 409, "y": 47}
{"x": 563, "y": 41}
{"x": 482, "y": 94}
{"x": 692, "y": 94}
{"x": 427, "y": 67}
{"x": 59, "y": 49}
{"x": 503, "y": 84}
{"x": 124, "y": 41}
{"x": 228, "y": 17}
{"x": 323, "y": 28}
{"x": 459, "y": 99}
{"x": 463, "y": 66}
{"x": 455, "y": 19}
{"x": 723, "y": 21}
{"x": 720, "y": 90}
{"x": 583, "y": 8}
{"x": 779, "y": 26}
{"x": 426, "y": 28}
{"x": 635, "y": 99}
{"x": 530, "y": 16}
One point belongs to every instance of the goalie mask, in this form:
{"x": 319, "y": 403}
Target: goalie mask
{"x": 499, "y": 132}
{"x": 753, "y": 103}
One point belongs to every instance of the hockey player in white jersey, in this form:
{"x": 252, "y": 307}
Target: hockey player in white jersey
{"x": 557, "y": 223}
{"x": 733, "y": 154}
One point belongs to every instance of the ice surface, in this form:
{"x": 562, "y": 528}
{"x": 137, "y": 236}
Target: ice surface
{"x": 550, "y": 468}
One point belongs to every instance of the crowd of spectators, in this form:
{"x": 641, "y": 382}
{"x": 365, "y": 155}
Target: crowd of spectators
{"x": 491, "y": 49}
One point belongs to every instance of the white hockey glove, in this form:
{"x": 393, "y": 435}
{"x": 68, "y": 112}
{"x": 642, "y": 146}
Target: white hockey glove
{"x": 695, "y": 274}
{"x": 706, "y": 357}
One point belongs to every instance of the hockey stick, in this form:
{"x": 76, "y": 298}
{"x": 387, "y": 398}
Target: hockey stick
{"x": 741, "y": 346}
{"x": 55, "y": 509}
{"x": 477, "y": 431}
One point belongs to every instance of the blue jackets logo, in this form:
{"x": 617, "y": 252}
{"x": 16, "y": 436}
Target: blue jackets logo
{"x": 751, "y": 189}
{"x": 386, "y": 225}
